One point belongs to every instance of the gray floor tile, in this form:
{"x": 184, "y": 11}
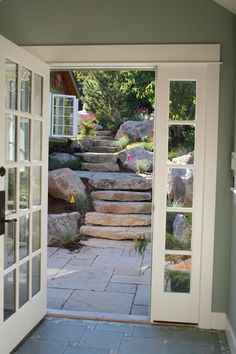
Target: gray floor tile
{"x": 142, "y": 296}
{"x": 79, "y": 350}
{"x": 132, "y": 345}
{"x": 41, "y": 347}
{"x": 121, "y": 288}
{"x": 97, "y": 301}
{"x": 55, "y": 304}
{"x": 184, "y": 348}
{"x": 60, "y": 332}
{"x": 191, "y": 337}
{"x": 54, "y": 293}
{"x": 101, "y": 340}
{"x": 117, "y": 261}
{"x": 82, "y": 277}
{"x": 140, "y": 310}
{"x": 151, "y": 332}
{"x": 125, "y": 328}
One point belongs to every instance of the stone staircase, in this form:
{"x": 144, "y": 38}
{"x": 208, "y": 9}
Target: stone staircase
{"x": 119, "y": 214}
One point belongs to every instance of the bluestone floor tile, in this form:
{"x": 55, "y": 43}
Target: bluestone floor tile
{"x": 81, "y": 350}
{"x": 60, "y": 332}
{"x": 101, "y": 340}
{"x": 131, "y": 345}
{"x": 41, "y": 347}
{"x": 125, "y": 328}
{"x": 184, "y": 349}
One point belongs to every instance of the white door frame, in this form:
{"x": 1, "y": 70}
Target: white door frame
{"x": 151, "y": 56}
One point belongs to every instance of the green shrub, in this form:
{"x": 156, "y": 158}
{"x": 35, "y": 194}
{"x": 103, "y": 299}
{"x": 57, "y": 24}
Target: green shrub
{"x": 53, "y": 165}
{"x": 122, "y": 142}
{"x": 140, "y": 244}
{"x": 70, "y": 235}
{"x": 87, "y": 127}
{"x": 142, "y": 166}
{"x": 82, "y": 204}
{"x": 174, "y": 244}
{"x": 56, "y": 165}
{"x": 146, "y": 143}
{"x": 177, "y": 152}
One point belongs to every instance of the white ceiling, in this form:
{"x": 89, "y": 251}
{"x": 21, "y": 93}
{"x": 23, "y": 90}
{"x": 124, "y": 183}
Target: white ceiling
{"x": 228, "y": 4}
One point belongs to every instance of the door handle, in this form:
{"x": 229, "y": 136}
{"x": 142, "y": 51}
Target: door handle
{"x": 8, "y": 221}
{"x": 2, "y": 212}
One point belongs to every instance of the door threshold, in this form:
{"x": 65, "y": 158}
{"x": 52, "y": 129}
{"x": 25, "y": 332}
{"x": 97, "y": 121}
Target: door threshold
{"x": 98, "y": 316}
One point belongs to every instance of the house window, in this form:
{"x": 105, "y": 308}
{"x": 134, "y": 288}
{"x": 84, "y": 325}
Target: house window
{"x": 64, "y": 116}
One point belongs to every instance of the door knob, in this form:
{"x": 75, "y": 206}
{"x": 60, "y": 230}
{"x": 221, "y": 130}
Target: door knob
{"x": 2, "y": 171}
{"x": 8, "y": 221}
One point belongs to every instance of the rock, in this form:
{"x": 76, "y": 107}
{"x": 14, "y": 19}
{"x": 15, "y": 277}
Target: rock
{"x": 188, "y": 181}
{"x": 58, "y": 224}
{"x": 181, "y": 228}
{"x": 64, "y": 183}
{"x": 97, "y": 157}
{"x": 100, "y": 167}
{"x": 136, "y": 129}
{"x": 187, "y": 159}
{"x": 129, "y": 158}
{"x": 104, "y": 143}
{"x": 176, "y": 190}
{"x": 135, "y": 183}
{"x": 99, "y": 127}
{"x": 123, "y": 196}
{"x": 104, "y": 137}
{"x": 118, "y": 219}
{"x": 103, "y": 149}
{"x": 122, "y": 207}
{"x": 115, "y": 233}
{"x": 61, "y": 160}
{"x": 86, "y": 143}
{"x": 104, "y": 132}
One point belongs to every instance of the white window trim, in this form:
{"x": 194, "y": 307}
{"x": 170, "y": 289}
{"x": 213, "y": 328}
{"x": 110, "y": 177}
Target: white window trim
{"x": 150, "y": 56}
{"x": 75, "y": 117}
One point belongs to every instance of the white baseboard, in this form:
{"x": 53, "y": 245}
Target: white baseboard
{"x": 218, "y": 320}
{"x": 230, "y": 336}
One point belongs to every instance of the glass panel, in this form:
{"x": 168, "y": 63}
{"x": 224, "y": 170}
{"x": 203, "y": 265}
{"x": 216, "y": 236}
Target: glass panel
{"x": 25, "y": 90}
{"x": 24, "y": 139}
{"x": 11, "y": 84}
{"x": 23, "y": 284}
{"x": 180, "y": 187}
{"x": 181, "y": 144}
{"x": 36, "y": 185}
{"x": 10, "y": 190}
{"x": 9, "y": 294}
{"x": 68, "y": 112}
{"x": 24, "y": 236}
{"x": 68, "y": 130}
{"x": 177, "y": 274}
{"x": 24, "y": 187}
{"x": 58, "y": 120}
{"x": 57, "y": 130}
{"x": 36, "y": 231}
{"x": 68, "y": 101}
{"x": 178, "y": 231}
{"x": 37, "y": 139}
{"x": 58, "y": 101}
{"x": 182, "y": 100}
{"x": 10, "y": 244}
{"x": 36, "y": 265}
{"x": 10, "y": 137}
{"x": 38, "y": 94}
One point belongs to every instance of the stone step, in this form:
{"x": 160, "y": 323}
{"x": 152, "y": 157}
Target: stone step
{"x": 123, "y": 196}
{"x": 104, "y": 137}
{"x": 104, "y": 143}
{"x": 121, "y": 181}
{"x": 100, "y": 167}
{"x": 103, "y": 132}
{"x": 122, "y": 207}
{"x": 118, "y": 219}
{"x": 115, "y": 233}
{"x": 97, "y": 157}
{"x": 103, "y": 149}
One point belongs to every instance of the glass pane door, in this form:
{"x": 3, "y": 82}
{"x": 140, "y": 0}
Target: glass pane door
{"x": 178, "y": 194}
{"x": 23, "y": 154}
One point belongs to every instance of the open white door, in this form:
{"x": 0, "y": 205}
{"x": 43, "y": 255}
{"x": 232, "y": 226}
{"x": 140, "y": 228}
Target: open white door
{"x": 24, "y": 87}
{"x": 178, "y": 192}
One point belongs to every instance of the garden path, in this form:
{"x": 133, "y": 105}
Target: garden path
{"x": 106, "y": 276}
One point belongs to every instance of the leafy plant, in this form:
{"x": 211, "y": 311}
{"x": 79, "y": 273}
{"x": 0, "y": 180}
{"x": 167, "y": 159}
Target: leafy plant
{"x": 87, "y": 127}
{"x": 82, "y": 204}
{"x": 179, "y": 281}
{"x": 122, "y": 142}
{"x": 147, "y": 144}
{"x": 68, "y": 239}
{"x": 140, "y": 244}
{"x": 173, "y": 243}
{"x": 142, "y": 166}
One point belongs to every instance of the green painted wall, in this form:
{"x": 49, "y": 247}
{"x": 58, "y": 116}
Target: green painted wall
{"x": 29, "y": 22}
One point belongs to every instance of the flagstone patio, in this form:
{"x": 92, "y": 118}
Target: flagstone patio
{"x": 105, "y": 277}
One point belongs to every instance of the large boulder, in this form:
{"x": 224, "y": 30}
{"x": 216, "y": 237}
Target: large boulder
{"x": 137, "y": 130}
{"x": 59, "y": 224}
{"x": 181, "y": 228}
{"x": 187, "y": 159}
{"x": 176, "y": 190}
{"x": 61, "y": 160}
{"x": 64, "y": 183}
{"x": 132, "y": 183}
{"x": 129, "y": 158}
{"x": 82, "y": 144}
